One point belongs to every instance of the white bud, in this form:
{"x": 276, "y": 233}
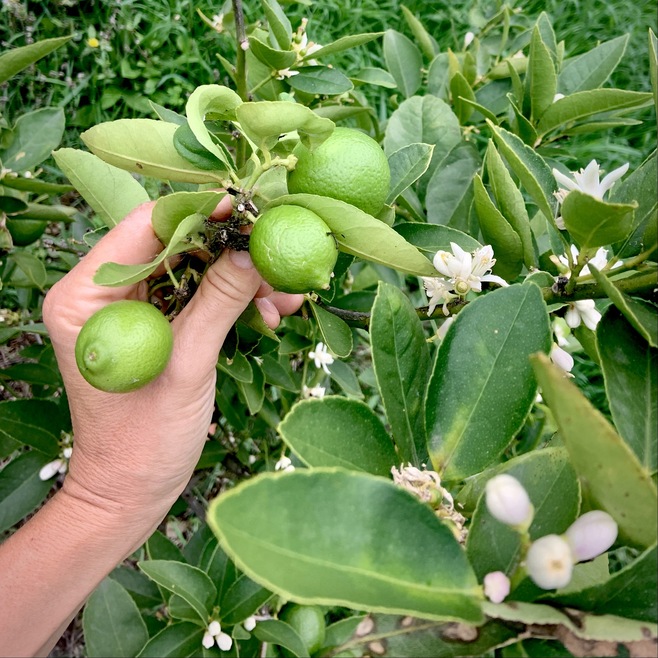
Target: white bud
{"x": 561, "y": 358}
{"x": 549, "y": 562}
{"x": 224, "y": 642}
{"x": 208, "y": 640}
{"x": 591, "y": 534}
{"x": 496, "y": 586}
{"x": 508, "y": 501}
{"x": 214, "y": 628}
{"x": 249, "y": 623}
{"x": 67, "y": 452}
{"x": 50, "y": 469}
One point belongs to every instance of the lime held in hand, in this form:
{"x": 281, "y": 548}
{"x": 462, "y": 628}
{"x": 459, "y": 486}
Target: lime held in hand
{"x": 349, "y": 166}
{"x": 124, "y": 346}
{"x": 293, "y": 249}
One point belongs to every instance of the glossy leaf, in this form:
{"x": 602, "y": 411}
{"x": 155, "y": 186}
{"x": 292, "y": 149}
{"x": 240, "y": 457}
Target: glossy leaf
{"x": 401, "y": 360}
{"x": 461, "y": 91}
{"x": 595, "y": 223}
{"x": 242, "y": 599}
{"x": 407, "y": 165}
{"x": 370, "y": 75}
{"x": 345, "y": 377}
{"x": 482, "y": 387}
{"x": 36, "y": 135}
{"x": 335, "y": 431}
{"x": 33, "y": 268}
{"x": 15, "y": 60}
{"x": 188, "y": 582}
{"x": 111, "y": 192}
{"x": 112, "y": 623}
{"x": 144, "y": 592}
{"x": 279, "y": 632}
{"x": 535, "y": 175}
{"x": 593, "y": 68}
{"x": 30, "y": 422}
{"x": 554, "y": 491}
{"x": 317, "y": 536}
{"x": 21, "y": 489}
{"x": 336, "y": 334}
{"x": 430, "y": 238}
{"x": 342, "y": 44}
{"x": 653, "y": 64}
{"x": 144, "y": 146}
{"x": 584, "y": 104}
{"x": 321, "y": 80}
{"x": 175, "y": 641}
{"x": 273, "y": 57}
{"x": 438, "y": 77}
{"x": 404, "y": 61}
{"x": 170, "y": 210}
{"x": 630, "y": 370}
{"x": 541, "y": 79}
{"x": 278, "y": 23}
{"x": 604, "y": 462}
{"x": 362, "y": 235}
{"x": 640, "y": 314}
{"x": 265, "y": 121}
{"x": 238, "y": 367}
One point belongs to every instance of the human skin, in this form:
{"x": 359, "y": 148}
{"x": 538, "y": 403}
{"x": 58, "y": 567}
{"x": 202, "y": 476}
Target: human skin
{"x": 133, "y": 453}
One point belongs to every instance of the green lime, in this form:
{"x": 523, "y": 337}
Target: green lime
{"x": 308, "y": 621}
{"x": 124, "y": 346}
{"x": 348, "y": 165}
{"x": 25, "y": 231}
{"x": 293, "y": 249}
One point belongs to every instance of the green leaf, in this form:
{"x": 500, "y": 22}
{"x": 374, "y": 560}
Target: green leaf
{"x": 631, "y": 384}
{"x": 404, "y": 61}
{"x": 630, "y": 592}
{"x": 510, "y": 202}
{"x": 15, "y": 60}
{"x": 21, "y": 489}
{"x": 344, "y": 43}
{"x": 594, "y": 223}
{"x": 111, "y": 192}
{"x": 424, "y": 39}
{"x": 653, "y": 64}
{"x": 541, "y": 79}
{"x": 278, "y": 23}
{"x": 273, "y": 57}
{"x": 370, "y": 75}
{"x": 279, "y": 632}
{"x": 535, "y": 175}
{"x": 112, "y": 623}
{"x": 611, "y": 471}
{"x": 32, "y": 373}
{"x": 211, "y": 100}
{"x": 554, "y": 491}
{"x": 482, "y": 387}
{"x": 438, "y": 77}
{"x": 144, "y": 146}
{"x": 175, "y": 641}
{"x": 401, "y": 362}
{"x": 36, "y": 135}
{"x": 450, "y": 189}
{"x": 639, "y": 313}
{"x": 407, "y": 165}
{"x": 31, "y": 422}
{"x": 188, "y": 582}
{"x": 159, "y": 547}
{"x": 430, "y": 238}
{"x": 253, "y": 392}
{"x": 320, "y": 80}
{"x": 360, "y": 234}
{"x": 344, "y": 376}
{"x": 497, "y": 232}
{"x": 333, "y": 537}
{"x": 461, "y": 91}
{"x": 265, "y": 121}
{"x": 238, "y": 367}
{"x": 335, "y": 431}
{"x": 591, "y": 69}
{"x": 170, "y": 210}
{"x": 190, "y": 148}
{"x": 584, "y": 104}
{"x": 242, "y": 599}
{"x": 144, "y": 592}
{"x": 33, "y": 268}
{"x": 335, "y": 332}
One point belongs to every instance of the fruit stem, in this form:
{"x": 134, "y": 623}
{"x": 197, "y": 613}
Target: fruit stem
{"x": 171, "y": 274}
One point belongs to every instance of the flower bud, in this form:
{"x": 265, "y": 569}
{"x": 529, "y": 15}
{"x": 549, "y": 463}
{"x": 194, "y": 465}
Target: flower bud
{"x": 224, "y": 642}
{"x": 508, "y": 501}
{"x": 214, "y": 628}
{"x": 249, "y": 623}
{"x": 208, "y": 640}
{"x": 496, "y": 586}
{"x": 591, "y": 534}
{"x": 549, "y": 562}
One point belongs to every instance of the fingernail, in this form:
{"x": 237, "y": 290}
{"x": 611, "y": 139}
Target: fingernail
{"x": 241, "y": 259}
{"x": 265, "y": 305}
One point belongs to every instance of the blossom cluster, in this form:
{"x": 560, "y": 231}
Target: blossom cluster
{"x": 550, "y": 559}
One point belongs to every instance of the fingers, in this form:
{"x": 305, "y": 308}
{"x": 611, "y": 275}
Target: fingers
{"x": 223, "y": 210}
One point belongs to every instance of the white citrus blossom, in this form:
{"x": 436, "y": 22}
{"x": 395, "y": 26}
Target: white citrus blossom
{"x": 584, "y": 310}
{"x": 591, "y": 534}
{"x": 587, "y": 180}
{"x": 466, "y": 271}
{"x": 321, "y": 357}
{"x": 284, "y": 464}
{"x": 468, "y": 39}
{"x": 549, "y": 562}
{"x": 437, "y": 291}
{"x": 561, "y": 358}
{"x": 508, "y": 501}
{"x": 249, "y": 623}
{"x": 214, "y": 635}
{"x": 443, "y": 329}
{"x": 558, "y": 97}
{"x": 314, "y": 392}
{"x": 61, "y": 464}
{"x": 496, "y": 586}
{"x": 599, "y": 260}
{"x": 285, "y": 73}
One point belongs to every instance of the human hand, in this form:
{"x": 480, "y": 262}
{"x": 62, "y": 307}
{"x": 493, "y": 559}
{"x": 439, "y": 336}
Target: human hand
{"x": 135, "y": 452}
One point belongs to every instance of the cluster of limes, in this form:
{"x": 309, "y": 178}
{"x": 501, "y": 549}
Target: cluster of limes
{"x": 127, "y": 344}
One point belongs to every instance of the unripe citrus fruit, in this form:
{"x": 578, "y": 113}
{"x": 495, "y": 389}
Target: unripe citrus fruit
{"x": 124, "y": 346}
{"x": 293, "y": 249}
{"x": 25, "y": 231}
{"x": 308, "y": 621}
{"x": 348, "y": 165}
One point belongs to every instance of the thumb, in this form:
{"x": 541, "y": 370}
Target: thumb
{"x": 223, "y": 294}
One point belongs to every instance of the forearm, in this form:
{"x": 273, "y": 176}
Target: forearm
{"x": 51, "y": 565}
